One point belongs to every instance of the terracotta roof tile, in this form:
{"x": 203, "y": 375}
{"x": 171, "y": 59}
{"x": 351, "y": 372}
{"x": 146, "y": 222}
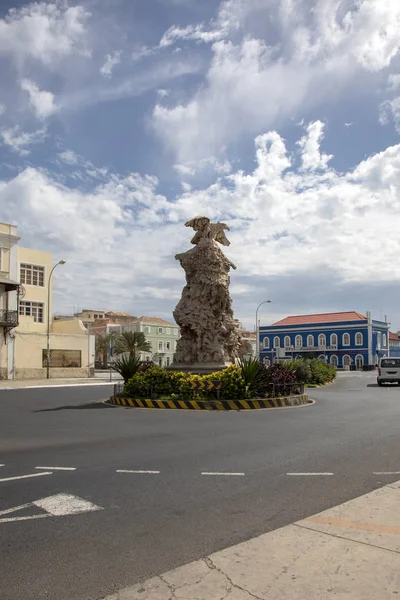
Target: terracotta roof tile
{"x": 393, "y": 336}
{"x": 155, "y": 321}
{"x": 321, "y": 318}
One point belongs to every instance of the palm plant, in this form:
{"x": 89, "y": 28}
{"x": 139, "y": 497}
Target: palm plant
{"x": 253, "y": 373}
{"x": 127, "y": 366}
{"x": 103, "y": 343}
{"x": 133, "y": 342}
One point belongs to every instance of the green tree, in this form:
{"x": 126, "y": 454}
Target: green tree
{"x": 133, "y": 342}
{"x": 103, "y": 343}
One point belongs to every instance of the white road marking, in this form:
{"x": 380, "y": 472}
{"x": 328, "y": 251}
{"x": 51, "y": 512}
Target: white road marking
{"x": 2, "y": 465}
{"x": 65, "y": 504}
{"x": 11, "y": 519}
{"x": 138, "y": 472}
{"x": 306, "y": 474}
{"x": 57, "y": 468}
{"x": 224, "y": 474}
{"x": 386, "y": 472}
{"x": 60, "y": 505}
{"x": 26, "y": 476}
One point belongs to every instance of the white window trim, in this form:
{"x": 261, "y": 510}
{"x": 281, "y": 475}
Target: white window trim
{"x": 323, "y": 337}
{"x": 160, "y": 331}
{"x": 334, "y": 356}
{"x": 322, "y": 357}
{"x": 310, "y": 335}
{"x": 346, "y": 356}
{"x": 359, "y": 356}
{"x": 266, "y": 343}
{"x": 296, "y": 340}
{"x": 44, "y": 304}
{"x": 43, "y": 287}
{"x": 334, "y": 336}
{"x": 160, "y": 346}
{"x": 287, "y": 343}
{"x": 277, "y": 345}
{"x": 362, "y": 339}
{"x": 344, "y": 343}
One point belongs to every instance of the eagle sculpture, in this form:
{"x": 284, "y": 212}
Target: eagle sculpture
{"x": 205, "y": 229}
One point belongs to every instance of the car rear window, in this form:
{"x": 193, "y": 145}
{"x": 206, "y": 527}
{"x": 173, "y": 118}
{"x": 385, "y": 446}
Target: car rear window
{"x": 390, "y": 362}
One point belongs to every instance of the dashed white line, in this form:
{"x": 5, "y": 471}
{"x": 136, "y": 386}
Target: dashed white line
{"x": 26, "y": 476}
{"x": 308, "y": 474}
{"x": 386, "y": 472}
{"x": 2, "y": 465}
{"x": 57, "y": 468}
{"x": 138, "y": 472}
{"x": 223, "y": 474}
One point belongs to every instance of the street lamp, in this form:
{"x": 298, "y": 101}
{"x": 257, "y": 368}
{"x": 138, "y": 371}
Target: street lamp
{"x": 257, "y": 334}
{"x": 60, "y": 262}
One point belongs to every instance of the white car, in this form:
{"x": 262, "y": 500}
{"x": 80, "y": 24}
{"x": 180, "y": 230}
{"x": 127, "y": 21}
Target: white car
{"x": 388, "y": 371}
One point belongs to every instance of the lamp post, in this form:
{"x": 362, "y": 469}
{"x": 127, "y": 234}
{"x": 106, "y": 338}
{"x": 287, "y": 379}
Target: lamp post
{"x": 257, "y": 333}
{"x": 60, "y": 262}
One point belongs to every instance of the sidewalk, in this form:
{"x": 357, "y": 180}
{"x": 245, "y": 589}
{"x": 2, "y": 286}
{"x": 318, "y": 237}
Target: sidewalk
{"x": 18, "y": 384}
{"x": 351, "y": 551}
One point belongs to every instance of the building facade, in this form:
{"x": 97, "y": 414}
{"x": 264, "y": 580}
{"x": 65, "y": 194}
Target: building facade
{"x": 162, "y": 336}
{"x": 346, "y": 340}
{"x": 9, "y": 287}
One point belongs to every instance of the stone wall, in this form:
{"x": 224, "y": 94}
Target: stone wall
{"x": 55, "y": 373}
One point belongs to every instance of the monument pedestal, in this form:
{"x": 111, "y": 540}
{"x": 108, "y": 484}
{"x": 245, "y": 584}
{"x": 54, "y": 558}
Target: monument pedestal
{"x": 198, "y": 368}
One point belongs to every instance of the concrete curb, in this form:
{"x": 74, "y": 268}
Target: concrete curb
{"x": 285, "y": 402}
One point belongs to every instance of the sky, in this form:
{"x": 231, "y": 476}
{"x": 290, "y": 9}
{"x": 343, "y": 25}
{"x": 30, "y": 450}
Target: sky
{"x": 122, "y": 119}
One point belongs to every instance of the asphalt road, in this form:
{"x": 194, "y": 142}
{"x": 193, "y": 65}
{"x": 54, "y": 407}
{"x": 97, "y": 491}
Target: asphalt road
{"x": 151, "y": 522}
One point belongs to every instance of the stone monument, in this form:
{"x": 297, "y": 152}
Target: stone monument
{"x": 209, "y": 338}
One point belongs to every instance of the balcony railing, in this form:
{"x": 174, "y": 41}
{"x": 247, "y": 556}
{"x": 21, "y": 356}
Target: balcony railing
{"x": 8, "y": 318}
{"x": 310, "y": 348}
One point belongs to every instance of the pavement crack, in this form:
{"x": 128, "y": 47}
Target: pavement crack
{"x": 170, "y": 586}
{"x": 343, "y": 537}
{"x": 213, "y": 566}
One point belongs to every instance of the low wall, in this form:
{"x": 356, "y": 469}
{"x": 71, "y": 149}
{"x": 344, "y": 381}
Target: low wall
{"x": 55, "y": 373}
{"x": 212, "y": 404}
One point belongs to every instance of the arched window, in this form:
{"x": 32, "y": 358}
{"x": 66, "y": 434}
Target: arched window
{"x": 359, "y": 339}
{"x": 384, "y": 339}
{"x": 334, "y": 360}
{"x": 310, "y": 340}
{"x": 287, "y": 341}
{"x": 359, "y": 361}
{"x": 299, "y": 357}
{"x": 277, "y": 343}
{"x": 346, "y": 339}
{"x": 322, "y": 339}
{"x": 299, "y": 341}
{"x": 266, "y": 342}
{"x": 322, "y": 357}
{"x": 266, "y": 362}
{"x": 334, "y": 340}
{"x": 346, "y": 359}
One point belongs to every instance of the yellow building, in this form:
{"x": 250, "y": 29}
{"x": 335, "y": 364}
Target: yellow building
{"x": 24, "y": 343}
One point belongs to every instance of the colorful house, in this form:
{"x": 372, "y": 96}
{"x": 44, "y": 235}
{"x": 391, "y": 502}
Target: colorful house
{"x": 347, "y": 340}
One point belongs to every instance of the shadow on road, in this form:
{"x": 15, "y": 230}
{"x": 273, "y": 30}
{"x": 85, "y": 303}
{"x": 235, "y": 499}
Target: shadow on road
{"x": 76, "y": 407}
{"x": 375, "y": 385}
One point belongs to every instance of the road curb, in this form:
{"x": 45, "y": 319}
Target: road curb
{"x": 285, "y": 402}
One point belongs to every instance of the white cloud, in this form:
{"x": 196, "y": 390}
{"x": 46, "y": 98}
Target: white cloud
{"x": 69, "y": 157}
{"x": 311, "y": 157}
{"x": 43, "y": 31}
{"x": 284, "y": 222}
{"x": 390, "y": 111}
{"x": 184, "y": 170}
{"x": 111, "y": 61}
{"x": 394, "y": 81}
{"x": 321, "y": 50}
{"x": 19, "y": 141}
{"x": 41, "y": 101}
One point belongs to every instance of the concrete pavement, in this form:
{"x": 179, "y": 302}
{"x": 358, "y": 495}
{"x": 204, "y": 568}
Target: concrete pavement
{"x": 350, "y": 551}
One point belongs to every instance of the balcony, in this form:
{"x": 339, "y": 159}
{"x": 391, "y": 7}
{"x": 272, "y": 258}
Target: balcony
{"x": 310, "y": 348}
{"x": 8, "y": 318}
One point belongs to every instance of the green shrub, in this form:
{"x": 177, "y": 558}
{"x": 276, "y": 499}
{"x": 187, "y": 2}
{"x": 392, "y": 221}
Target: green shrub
{"x": 321, "y": 372}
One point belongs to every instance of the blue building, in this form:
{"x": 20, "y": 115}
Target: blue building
{"x": 347, "y": 340}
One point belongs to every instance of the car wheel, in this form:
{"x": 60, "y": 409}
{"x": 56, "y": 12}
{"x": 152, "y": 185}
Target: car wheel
{"x": 379, "y": 382}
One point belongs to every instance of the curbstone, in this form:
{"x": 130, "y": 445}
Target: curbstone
{"x": 212, "y": 404}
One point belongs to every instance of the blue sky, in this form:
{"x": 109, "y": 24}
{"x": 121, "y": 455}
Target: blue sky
{"x": 121, "y": 119}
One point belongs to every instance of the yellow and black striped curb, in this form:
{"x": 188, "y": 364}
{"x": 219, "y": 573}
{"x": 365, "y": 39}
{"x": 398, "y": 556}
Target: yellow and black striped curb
{"x": 212, "y": 404}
